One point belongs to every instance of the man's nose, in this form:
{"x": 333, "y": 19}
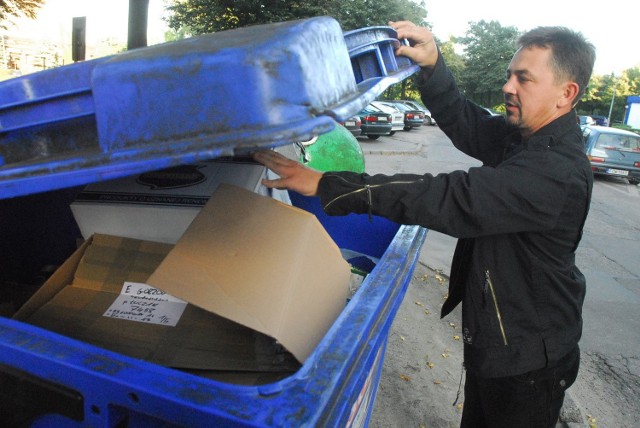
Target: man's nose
{"x": 508, "y": 87}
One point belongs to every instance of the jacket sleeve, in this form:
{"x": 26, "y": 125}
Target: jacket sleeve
{"x": 481, "y": 201}
{"x": 471, "y": 128}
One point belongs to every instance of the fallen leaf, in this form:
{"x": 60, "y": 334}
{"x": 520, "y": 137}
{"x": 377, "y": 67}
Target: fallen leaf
{"x": 452, "y": 325}
{"x": 440, "y": 279}
{"x": 425, "y": 277}
{"x": 402, "y": 338}
{"x": 436, "y": 382}
{"x": 405, "y": 378}
{"x": 456, "y": 337}
{"x": 430, "y": 364}
{"x": 426, "y": 311}
{"x": 445, "y": 355}
{"x": 459, "y": 406}
{"x": 419, "y": 303}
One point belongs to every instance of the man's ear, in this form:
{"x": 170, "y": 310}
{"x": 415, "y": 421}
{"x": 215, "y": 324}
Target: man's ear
{"x": 569, "y": 95}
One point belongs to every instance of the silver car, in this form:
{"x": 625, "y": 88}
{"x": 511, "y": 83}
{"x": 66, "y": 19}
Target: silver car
{"x": 612, "y": 151}
{"x": 397, "y": 117}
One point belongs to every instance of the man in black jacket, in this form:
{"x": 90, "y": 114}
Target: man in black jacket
{"x": 519, "y": 219}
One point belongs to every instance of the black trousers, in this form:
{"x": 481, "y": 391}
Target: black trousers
{"x": 529, "y": 400}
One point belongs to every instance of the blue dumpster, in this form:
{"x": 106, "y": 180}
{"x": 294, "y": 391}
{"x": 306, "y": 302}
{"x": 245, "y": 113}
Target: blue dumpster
{"x": 176, "y": 103}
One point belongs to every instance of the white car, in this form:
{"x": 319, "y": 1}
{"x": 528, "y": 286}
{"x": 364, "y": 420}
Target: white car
{"x": 397, "y": 117}
{"x": 428, "y": 119}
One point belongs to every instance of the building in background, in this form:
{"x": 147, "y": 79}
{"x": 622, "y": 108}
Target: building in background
{"x": 632, "y": 114}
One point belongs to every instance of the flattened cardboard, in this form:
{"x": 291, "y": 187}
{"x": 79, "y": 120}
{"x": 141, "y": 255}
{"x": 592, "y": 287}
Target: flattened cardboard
{"x": 75, "y": 298}
{"x": 260, "y": 263}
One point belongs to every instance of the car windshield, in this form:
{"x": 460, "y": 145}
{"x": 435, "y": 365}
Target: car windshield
{"x": 385, "y": 108}
{"x": 401, "y": 107}
{"x": 414, "y": 105}
{"x": 372, "y": 109}
{"x": 619, "y": 142}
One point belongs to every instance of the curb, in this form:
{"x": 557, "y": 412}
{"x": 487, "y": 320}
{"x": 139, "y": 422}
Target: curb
{"x": 571, "y": 415}
{"x": 393, "y": 152}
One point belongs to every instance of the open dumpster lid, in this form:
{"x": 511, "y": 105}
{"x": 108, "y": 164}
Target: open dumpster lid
{"x": 192, "y": 99}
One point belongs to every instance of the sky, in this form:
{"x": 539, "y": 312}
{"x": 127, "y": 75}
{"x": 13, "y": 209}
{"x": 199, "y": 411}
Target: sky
{"x": 612, "y": 26}
{"x": 104, "y": 19}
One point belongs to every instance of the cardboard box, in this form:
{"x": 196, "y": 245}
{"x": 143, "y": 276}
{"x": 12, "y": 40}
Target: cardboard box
{"x": 159, "y": 205}
{"x": 257, "y": 274}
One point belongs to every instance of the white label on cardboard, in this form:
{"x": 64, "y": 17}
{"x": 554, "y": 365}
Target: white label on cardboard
{"x": 144, "y": 303}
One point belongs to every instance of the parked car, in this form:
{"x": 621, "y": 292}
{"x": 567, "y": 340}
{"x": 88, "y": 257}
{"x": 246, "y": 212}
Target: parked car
{"x": 490, "y": 112}
{"x": 413, "y": 118}
{"x": 601, "y": 120}
{"x": 586, "y": 120}
{"x": 613, "y": 151}
{"x": 353, "y": 125}
{"x": 374, "y": 122}
{"x": 397, "y": 116}
{"x": 428, "y": 119}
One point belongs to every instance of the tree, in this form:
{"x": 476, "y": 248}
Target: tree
{"x": 454, "y": 60}
{"x": 16, "y": 8}
{"x": 207, "y": 16}
{"x": 610, "y": 93}
{"x": 488, "y": 48}
{"x": 633, "y": 75}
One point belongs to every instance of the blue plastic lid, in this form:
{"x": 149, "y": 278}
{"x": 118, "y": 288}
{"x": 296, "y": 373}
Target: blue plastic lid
{"x": 179, "y": 102}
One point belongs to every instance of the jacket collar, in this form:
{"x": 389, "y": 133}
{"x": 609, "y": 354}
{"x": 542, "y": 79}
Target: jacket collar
{"x": 552, "y": 133}
{"x": 547, "y": 136}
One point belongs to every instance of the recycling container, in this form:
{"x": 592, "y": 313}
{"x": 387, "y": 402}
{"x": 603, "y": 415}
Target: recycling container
{"x": 227, "y": 93}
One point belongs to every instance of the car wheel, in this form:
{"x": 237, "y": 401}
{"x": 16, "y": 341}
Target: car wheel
{"x": 392, "y": 132}
{"x": 373, "y": 137}
{"x": 634, "y": 181}
{"x": 407, "y": 128}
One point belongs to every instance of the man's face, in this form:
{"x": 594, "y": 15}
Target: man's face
{"x": 532, "y": 95}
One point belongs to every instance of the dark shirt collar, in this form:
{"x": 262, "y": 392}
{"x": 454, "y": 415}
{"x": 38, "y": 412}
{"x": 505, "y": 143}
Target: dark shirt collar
{"x": 558, "y": 127}
{"x": 547, "y": 136}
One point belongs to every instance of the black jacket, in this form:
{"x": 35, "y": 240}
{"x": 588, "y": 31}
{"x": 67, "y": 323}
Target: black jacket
{"x": 519, "y": 218}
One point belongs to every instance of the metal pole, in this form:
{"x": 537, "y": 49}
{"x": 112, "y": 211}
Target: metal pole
{"x": 137, "y": 30}
{"x": 613, "y": 97}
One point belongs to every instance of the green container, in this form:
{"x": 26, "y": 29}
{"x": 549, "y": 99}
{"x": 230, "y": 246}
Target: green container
{"x": 336, "y": 150}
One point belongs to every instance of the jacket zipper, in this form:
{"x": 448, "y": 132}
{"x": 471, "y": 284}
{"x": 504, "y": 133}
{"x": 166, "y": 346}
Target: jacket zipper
{"x": 489, "y": 282}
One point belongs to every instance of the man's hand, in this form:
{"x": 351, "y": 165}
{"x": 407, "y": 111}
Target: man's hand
{"x": 293, "y": 175}
{"x": 422, "y": 50}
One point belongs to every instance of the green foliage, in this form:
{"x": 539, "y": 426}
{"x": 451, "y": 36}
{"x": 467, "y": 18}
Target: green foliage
{"x": 610, "y": 93}
{"x": 207, "y": 16}
{"x": 454, "y": 60}
{"x": 488, "y": 48}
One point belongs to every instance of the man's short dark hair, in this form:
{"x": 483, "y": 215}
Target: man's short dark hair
{"x": 572, "y": 56}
